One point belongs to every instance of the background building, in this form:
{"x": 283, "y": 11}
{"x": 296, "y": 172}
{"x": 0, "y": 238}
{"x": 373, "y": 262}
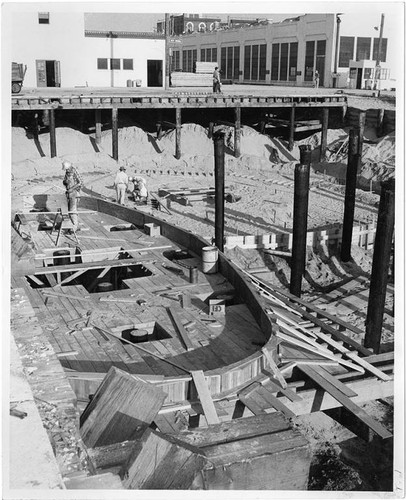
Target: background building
{"x": 74, "y": 49}
{"x": 290, "y": 51}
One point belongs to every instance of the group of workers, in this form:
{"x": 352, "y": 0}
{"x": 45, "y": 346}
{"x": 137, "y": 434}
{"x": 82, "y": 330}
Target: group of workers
{"x": 73, "y": 184}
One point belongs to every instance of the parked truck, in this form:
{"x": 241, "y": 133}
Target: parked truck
{"x": 17, "y": 77}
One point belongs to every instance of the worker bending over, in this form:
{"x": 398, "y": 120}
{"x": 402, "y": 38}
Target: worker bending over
{"x": 140, "y": 191}
{"x": 121, "y": 185}
{"x": 73, "y": 184}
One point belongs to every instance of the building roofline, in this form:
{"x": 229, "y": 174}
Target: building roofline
{"x": 124, "y": 34}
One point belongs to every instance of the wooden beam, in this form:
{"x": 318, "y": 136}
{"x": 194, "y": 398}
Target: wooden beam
{"x": 275, "y": 370}
{"x": 181, "y": 330}
{"x": 275, "y": 402}
{"x": 52, "y": 134}
{"x": 324, "y": 132}
{"x": 346, "y": 402}
{"x": 292, "y": 128}
{"x": 237, "y": 132}
{"x": 205, "y": 397}
{"x": 114, "y": 133}
{"x": 70, "y": 278}
{"x": 178, "y": 150}
{"x": 98, "y": 126}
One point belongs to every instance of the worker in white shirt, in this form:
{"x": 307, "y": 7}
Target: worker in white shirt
{"x": 140, "y": 189}
{"x": 121, "y": 185}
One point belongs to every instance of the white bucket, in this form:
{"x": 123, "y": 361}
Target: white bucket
{"x": 210, "y": 257}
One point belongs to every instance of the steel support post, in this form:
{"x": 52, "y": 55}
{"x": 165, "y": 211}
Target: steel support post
{"x": 300, "y": 210}
{"x": 380, "y": 266}
{"x": 218, "y": 138}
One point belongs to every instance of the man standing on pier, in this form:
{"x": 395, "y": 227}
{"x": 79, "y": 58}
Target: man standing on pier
{"x": 73, "y": 184}
{"x": 121, "y": 185}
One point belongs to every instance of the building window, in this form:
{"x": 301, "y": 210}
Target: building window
{"x": 208, "y": 55}
{"x": 189, "y": 57}
{"x": 383, "y": 49}
{"x": 101, "y": 63}
{"x": 236, "y": 63}
{"x": 43, "y": 17}
{"x": 115, "y": 64}
{"x": 346, "y": 51}
{"x": 293, "y": 61}
{"x": 253, "y": 55}
{"x": 128, "y": 64}
{"x": 275, "y": 62}
{"x": 384, "y": 74}
{"x": 175, "y": 61}
{"x": 309, "y": 61}
{"x": 230, "y": 62}
{"x": 363, "y": 48}
{"x": 284, "y": 62}
{"x": 368, "y": 73}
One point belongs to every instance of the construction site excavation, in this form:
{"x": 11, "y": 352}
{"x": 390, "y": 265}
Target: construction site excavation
{"x": 231, "y": 330}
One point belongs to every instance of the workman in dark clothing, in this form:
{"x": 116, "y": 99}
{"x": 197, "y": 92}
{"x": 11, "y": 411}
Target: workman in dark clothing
{"x": 73, "y": 184}
{"x": 216, "y": 80}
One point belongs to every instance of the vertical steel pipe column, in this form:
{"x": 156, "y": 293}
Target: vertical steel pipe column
{"x": 114, "y": 132}
{"x": 52, "y": 135}
{"x": 300, "y": 209}
{"x": 324, "y": 132}
{"x": 178, "y": 151}
{"x": 98, "y": 126}
{"x": 218, "y": 138}
{"x": 349, "y": 203}
{"x": 292, "y": 128}
{"x": 380, "y": 266}
{"x": 361, "y": 129}
{"x": 237, "y": 132}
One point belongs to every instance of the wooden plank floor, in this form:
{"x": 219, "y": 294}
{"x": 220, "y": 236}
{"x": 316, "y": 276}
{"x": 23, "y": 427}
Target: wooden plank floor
{"x": 236, "y": 337}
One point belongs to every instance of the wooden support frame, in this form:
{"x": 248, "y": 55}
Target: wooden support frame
{"x": 98, "y": 126}
{"x": 324, "y": 132}
{"x": 114, "y": 132}
{"x": 292, "y": 128}
{"x": 237, "y": 132}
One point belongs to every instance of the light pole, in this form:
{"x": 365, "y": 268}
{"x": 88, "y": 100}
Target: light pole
{"x": 378, "y": 57}
{"x": 335, "y": 78}
{"x": 167, "y": 56}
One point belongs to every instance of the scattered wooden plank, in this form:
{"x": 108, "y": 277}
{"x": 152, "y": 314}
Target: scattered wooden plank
{"x": 162, "y": 462}
{"x": 181, "y": 330}
{"x": 346, "y": 402}
{"x": 272, "y": 386}
{"x": 122, "y": 408}
{"x": 252, "y": 405}
{"x": 113, "y": 455}
{"x": 205, "y": 397}
{"x": 274, "y": 368}
{"x": 275, "y": 402}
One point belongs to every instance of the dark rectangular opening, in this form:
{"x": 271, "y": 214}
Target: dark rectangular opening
{"x": 146, "y": 332}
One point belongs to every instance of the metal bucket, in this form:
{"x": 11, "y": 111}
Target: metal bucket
{"x": 105, "y": 286}
{"x": 210, "y": 257}
{"x": 63, "y": 257}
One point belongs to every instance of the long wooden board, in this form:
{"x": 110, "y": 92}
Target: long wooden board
{"x": 181, "y": 330}
{"x": 205, "y": 397}
{"x": 345, "y": 401}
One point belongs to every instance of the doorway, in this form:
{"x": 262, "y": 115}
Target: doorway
{"x": 48, "y": 73}
{"x": 320, "y": 66}
{"x": 154, "y": 73}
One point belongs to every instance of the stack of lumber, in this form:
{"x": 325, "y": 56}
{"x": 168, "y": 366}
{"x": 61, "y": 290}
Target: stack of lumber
{"x": 180, "y": 79}
{"x": 205, "y": 67}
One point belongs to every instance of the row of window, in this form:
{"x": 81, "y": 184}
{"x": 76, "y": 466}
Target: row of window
{"x": 347, "y": 45}
{"x": 104, "y": 63}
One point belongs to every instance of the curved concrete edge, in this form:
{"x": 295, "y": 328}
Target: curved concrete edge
{"x": 28, "y": 459}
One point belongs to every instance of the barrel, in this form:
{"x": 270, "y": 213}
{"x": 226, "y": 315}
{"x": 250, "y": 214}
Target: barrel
{"x": 137, "y": 336}
{"x": 105, "y": 286}
{"x": 209, "y": 257}
{"x": 63, "y": 257}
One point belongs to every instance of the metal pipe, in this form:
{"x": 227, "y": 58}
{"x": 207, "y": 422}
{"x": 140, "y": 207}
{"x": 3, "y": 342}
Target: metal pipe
{"x": 300, "y": 209}
{"x": 218, "y": 138}
{"x": 167, "y": 56}
{"x": 349, "y": 203}
{"x": 178, "y": 151}
{"x": 292, "y": 128}
{"x": 378, "y": 59}
{"x": 237, "y": 132}
{"x": 98, "y": 126}
{"x": 324, "y": 132}
{"x": 380, "y": 266}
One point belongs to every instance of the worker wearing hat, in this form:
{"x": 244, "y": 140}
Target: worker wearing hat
{"x": 73, "y": 184}
{"x": 121, "y": 185}
{"x": 140, "y": 190}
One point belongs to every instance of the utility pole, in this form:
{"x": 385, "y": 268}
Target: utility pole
{"x": 335, "y": 78}
{"x": 378, "y": 57}
{"x": 167, "y": 56}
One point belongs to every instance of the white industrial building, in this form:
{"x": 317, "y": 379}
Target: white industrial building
{"x": 69, "y": 49}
